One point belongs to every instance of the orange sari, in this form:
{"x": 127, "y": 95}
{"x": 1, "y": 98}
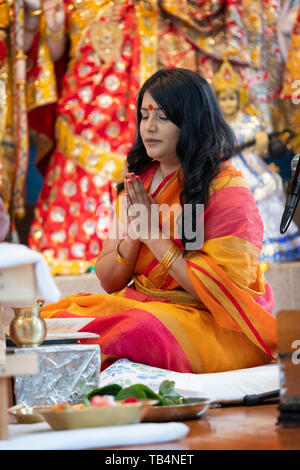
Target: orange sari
{"x": 155, "y": 322}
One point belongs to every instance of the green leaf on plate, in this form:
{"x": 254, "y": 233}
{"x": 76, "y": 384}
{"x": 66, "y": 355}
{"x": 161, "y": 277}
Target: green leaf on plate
{"x": 138, "y": 391}
{"x": 111, "y": 389}
{"x": 167, "y": 389}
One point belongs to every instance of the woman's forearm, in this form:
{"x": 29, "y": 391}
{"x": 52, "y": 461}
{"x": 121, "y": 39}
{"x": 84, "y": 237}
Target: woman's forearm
{"x": 113, "y": 274}
{"x": 178, "y": 269}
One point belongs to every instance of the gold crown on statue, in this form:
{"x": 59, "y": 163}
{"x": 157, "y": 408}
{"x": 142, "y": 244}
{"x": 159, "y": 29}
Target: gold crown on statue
{"x": 227, "y": 79}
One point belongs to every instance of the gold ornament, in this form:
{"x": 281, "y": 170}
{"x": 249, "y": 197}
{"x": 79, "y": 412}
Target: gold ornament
{"x": 227, "y": 79}
{"x": 37, "y": 12}
{"x": 120, "y": 258}
{"x": 169, "y": 257}
{"x": 55, "y": 35}
{"x": 106, "y": 39}
{"x": 4, "y": 14}
{"x": 19, "y": 213}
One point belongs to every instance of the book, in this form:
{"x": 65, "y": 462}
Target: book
{"x": 63, "y": 328}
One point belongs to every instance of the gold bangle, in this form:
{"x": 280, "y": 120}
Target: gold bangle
{"x": 21, "y": 83}
{"x": 20, "y": 55}
{"x": 58, "y": 35}
{"x": 169, "y": 257}
{"x": 35, "y": 12}
{"x": 120, "y": 258}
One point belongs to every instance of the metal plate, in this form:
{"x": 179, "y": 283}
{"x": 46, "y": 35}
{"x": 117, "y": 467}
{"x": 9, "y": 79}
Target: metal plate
{"x": 178, "y": 412}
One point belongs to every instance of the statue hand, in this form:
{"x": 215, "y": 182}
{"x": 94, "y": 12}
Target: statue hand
{"x": 274, "y": 168}
{"x": 54, "y": 14}
{"x": 116, "y": 13}
{"x": 262, "y": 141}
{"x": 32, "y": 4}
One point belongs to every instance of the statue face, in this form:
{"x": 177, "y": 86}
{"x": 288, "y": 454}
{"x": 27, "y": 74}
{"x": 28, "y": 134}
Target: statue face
{"x": 229, "y": 102}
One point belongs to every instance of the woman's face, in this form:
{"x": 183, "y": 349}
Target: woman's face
{"x": 159, "y": 134}
{"x": 229, "y": 102}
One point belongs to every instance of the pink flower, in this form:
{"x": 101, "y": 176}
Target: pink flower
{"x": 104, "y": 400}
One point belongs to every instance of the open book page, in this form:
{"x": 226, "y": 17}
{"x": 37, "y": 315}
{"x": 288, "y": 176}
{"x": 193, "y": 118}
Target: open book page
{"x": 62, "y": 328}
{"x": 68, "y": 328}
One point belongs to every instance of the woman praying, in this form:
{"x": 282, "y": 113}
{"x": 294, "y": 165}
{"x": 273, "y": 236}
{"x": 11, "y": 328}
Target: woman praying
{"x": 189, "y": 304}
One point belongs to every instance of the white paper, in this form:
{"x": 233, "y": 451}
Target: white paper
{"x": 71, "y": 335}
{"x": 66, "y": 325}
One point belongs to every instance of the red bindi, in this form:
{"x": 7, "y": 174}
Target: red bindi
{"x": 150, "y": 107}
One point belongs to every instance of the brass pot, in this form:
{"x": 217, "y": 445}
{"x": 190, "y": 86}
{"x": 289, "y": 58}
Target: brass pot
{"x": 27, "y": 329}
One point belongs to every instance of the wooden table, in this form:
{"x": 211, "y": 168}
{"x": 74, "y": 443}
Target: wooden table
{"x": 234, "y": 428}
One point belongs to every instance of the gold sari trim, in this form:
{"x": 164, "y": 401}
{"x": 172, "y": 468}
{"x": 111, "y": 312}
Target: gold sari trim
{"x": 88, "y": 156}
{"x": 184, "y": 340}
{"x": 176, "y": 295}
{"x": 178, "y": 174}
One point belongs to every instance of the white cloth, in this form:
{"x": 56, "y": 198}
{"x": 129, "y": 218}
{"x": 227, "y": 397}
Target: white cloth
{"x": 14, "y": 254}
{"x": 285, "y": 25}
{"x": 220, "y": 387}
{"x": 39, "y": 436}
{"x": 4, "y": 221}
{"x": 234, "y": 385}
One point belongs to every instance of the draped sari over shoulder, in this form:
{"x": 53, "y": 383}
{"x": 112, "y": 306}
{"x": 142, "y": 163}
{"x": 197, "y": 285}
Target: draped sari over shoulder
{"x": 153, "y": 321}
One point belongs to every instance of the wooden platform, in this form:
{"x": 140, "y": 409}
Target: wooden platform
{"x": 285, "y": 281}
{"x": 234, "y": 428}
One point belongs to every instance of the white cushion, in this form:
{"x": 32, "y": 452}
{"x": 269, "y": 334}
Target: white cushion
{"x": 220, "y": 387}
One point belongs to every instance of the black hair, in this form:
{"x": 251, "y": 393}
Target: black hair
{"x": 205, "y": 139}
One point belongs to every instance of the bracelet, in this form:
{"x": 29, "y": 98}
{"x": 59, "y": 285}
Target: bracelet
{"x": 120, "y": 258}
{"x": 20, "y": 55}
{"x": 59, "y": 35}
{"x": 32, "y": 30}
{"x": 169, "y": 257}
{"x": 35, "y": 12}
{"x": 21, "y": 84}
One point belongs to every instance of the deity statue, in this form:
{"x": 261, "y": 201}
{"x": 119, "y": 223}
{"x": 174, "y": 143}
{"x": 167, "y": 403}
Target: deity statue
{"x": 86, "y": 62}
{"x": 13, "y": 111}
{"x": 88, "y": 59}
{"x": 289, "y": 35}
{"x": 266, "y": 185}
